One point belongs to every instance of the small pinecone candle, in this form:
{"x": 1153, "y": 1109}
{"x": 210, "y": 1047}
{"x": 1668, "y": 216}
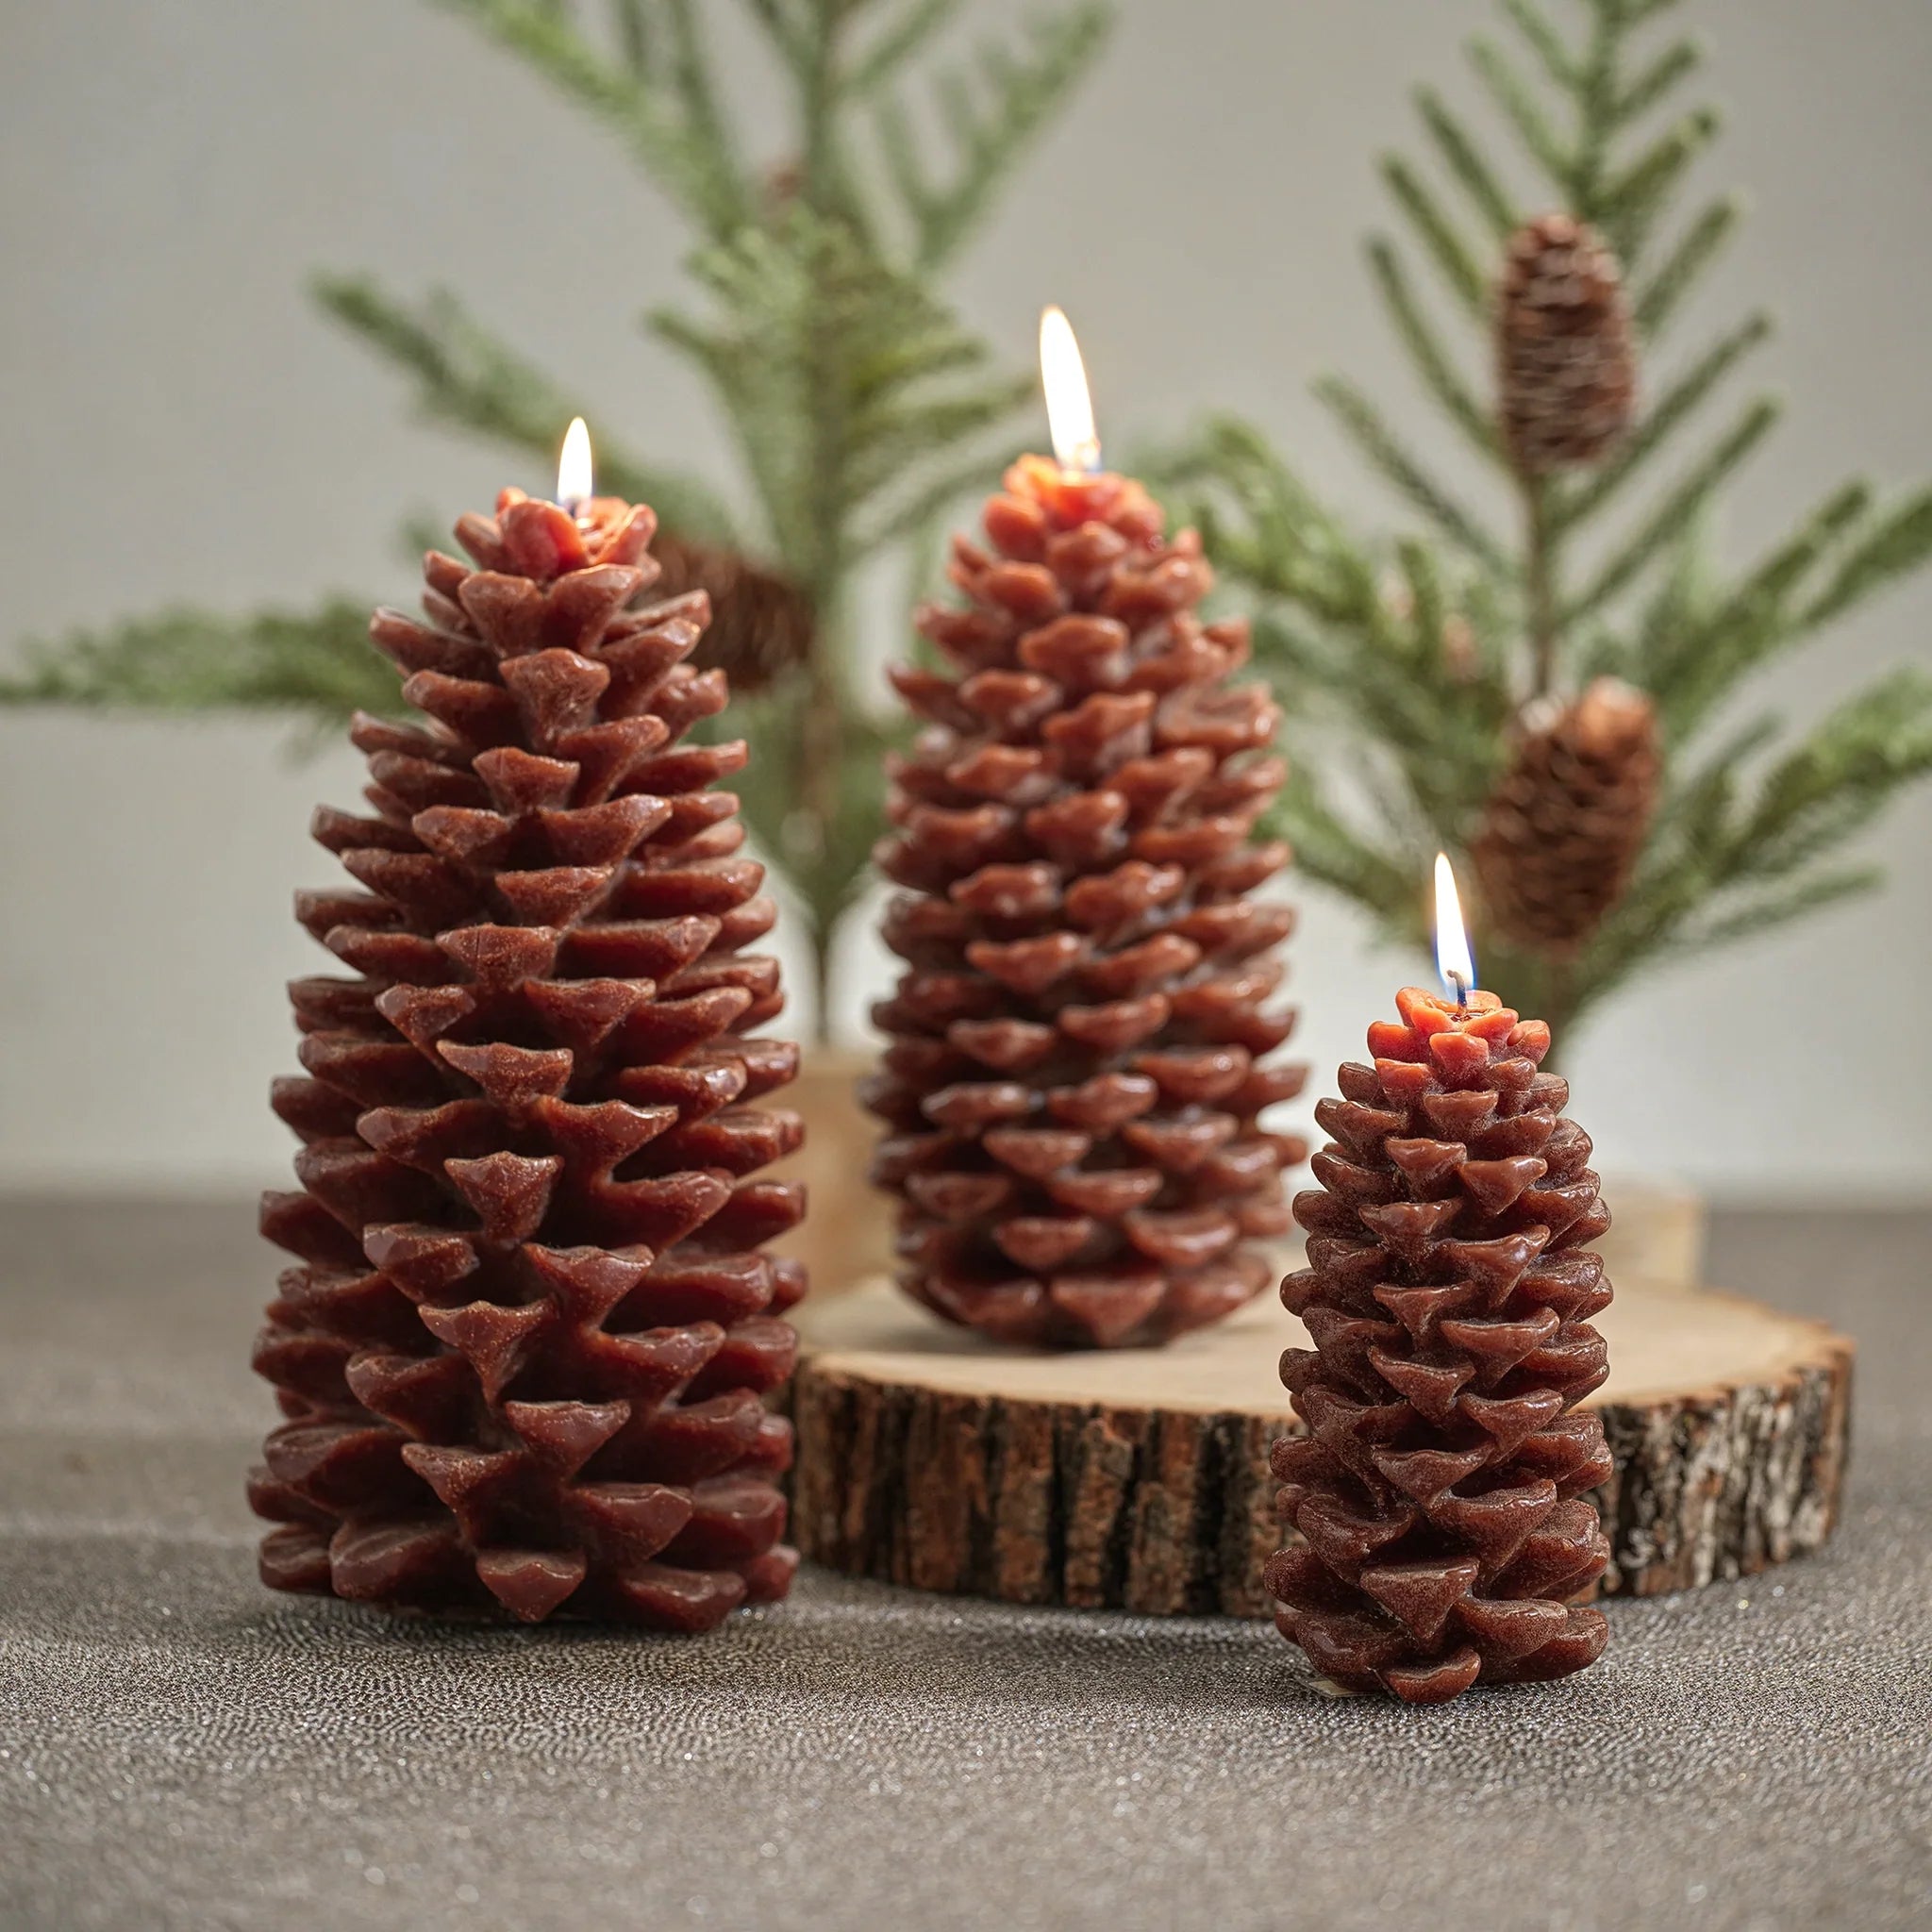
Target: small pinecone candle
{"x": 1077, "y": 1046}
{"x": 1566, "y": 370}
{"x": 522, "y": 1350}
{"x": 1443, "y": 1487}
{"x": 1561, "y": 838}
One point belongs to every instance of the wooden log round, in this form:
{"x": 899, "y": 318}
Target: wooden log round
{"x": 1139, "y": 1479}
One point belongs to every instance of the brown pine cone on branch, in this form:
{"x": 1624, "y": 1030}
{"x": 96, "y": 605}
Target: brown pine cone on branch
{"x": 761, "y": 623}
{"x": 523, "y": 1349}
{"x": 1444, "y": 1489}
{"x": 1566, "y": 369}
{"x": 1561, "y": 836}
{"x": 1074, "y": 1071}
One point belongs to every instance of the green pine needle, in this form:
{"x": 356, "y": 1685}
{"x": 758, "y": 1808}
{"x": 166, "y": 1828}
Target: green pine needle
{"x": 1437, "y": 234}
{"x": 1429, "y": 353}
{"x": 1380, "y": 445}
{"x": 1465, "y": 160}
{"x": 1702, "y": 242}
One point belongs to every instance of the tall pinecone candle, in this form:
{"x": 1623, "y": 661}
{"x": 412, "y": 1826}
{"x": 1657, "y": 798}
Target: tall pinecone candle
{"x": 1074, "y": 1070}
{"x": 523, "y": 1351}
{"x": 1443, "y": 1486}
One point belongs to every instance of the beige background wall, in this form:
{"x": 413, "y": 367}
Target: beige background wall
{"x": 179, "y": 424}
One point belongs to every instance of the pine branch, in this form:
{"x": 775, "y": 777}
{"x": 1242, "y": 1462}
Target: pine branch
{"x": 1328, "y": 851}
{"x": 632, "y": 22}
{"x": 1634, "y": 202}
{"x": 467, "y": 380}
{"x": 1523, "y": 111}
{"x": 1701, "y": 244}
{"x": 1693, "y": 657}
{"x": 897, "y": 43}
{"x": 1839, "y": 778}
{"x": 1437, "y": 234}
{"x": 688, "y": 157}
{"x": 1426, "y": 351}
{"x": 1465, "y": 161}
{"x": 317, "y": 663}
{"x": 992, "y": 116}
{"x": 916, "y": 513}
{"x": 1900, "y": 545}
{"x": 813, "y": 332}
{"x": 1379, "y": 444}
{"x": 1633, "y": 13}
{"x": 1773, "y": 909}
{"x": 1680, "y": 507}
{"x": 1734, "y": 847}
{"x": 1677, "y": 61}
{"x": 785, "y": 33}
{"x": 1534, "y": 25}
{"x": 1670, "y": 410}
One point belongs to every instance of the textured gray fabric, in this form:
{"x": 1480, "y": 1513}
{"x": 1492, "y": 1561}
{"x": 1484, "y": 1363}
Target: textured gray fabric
{"x": 178, "y": 1748}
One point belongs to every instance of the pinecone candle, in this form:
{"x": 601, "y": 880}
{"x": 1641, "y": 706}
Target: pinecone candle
{"x": 1075, "y": 1063}
{"x": 1443, "y": 1487}
{"x": 1561, "y": 838}
{"x": 523, "y": 1351}
{"x": 1566, "y": 371}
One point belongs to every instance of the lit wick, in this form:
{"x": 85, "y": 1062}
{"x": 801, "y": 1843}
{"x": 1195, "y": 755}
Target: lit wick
{"x": 573, "y": 468}
{"x": 1454, "y": 960}
{"x": 1069, "y": 404}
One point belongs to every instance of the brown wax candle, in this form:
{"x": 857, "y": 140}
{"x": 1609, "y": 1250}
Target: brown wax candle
{"x": 1443, "y": 1487}
{"x": 1076, "y": 1051}
{"x": 522, "y": 1350}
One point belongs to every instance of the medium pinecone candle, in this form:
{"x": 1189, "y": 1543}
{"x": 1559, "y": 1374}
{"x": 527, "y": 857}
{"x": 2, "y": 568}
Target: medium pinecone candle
{"x": 1074, "y": 1070}
{"x": 1443, "y": 1486}
{"x": 523, "y": 1351}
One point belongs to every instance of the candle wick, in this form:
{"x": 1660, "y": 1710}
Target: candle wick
{"x": 1462, "y": 990}
{"x": 1084, "y": 462}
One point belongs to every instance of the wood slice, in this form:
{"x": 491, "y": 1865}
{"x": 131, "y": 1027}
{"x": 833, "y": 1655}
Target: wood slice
{"x": 1139, "y": 1479}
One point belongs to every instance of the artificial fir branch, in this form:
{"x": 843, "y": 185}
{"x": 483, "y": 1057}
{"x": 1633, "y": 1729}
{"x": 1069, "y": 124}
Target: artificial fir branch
{"x": 858, "y": 405}
{"x": 1610, "y": 573}
{"x": 316, "y": 664}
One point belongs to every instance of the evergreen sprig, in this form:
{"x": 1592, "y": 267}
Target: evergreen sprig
{"x": 858, "y": 405}
{"x": 1407, "y": 660}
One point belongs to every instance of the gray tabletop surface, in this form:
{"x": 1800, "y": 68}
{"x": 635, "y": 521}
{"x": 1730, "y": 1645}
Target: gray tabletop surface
{"x": 180, "y": 1748}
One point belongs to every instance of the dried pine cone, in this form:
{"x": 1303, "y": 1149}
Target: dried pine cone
{"x": 1566, "y": 370}
{"x": 1562, "y": 834}
{"x": 1074, "y": 1072}
{"x": 1445, "y": 1485}
{"x": 761, "y": 623}
{"x": 523, "y": 1350}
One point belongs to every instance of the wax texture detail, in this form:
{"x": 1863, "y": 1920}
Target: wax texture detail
{"x": 522, "y": 1350}
{"x": 1442, "y": 1491}
{"x": 1077, "y": 1043}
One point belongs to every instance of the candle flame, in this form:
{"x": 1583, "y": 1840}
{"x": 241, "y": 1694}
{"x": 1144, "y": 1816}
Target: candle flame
{"x": 1453, "y": 959}
{"x": 573, "y": 467}
{"x": 1069, "y": 403}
